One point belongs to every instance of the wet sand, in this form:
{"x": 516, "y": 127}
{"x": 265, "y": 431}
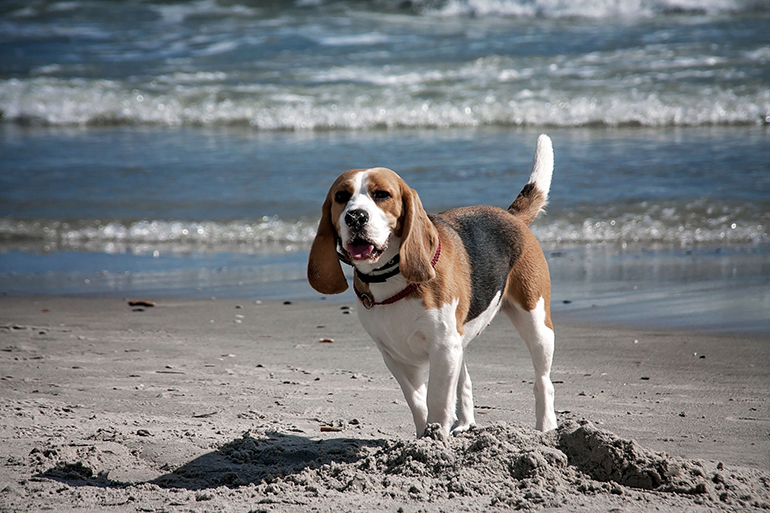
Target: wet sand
{"x": 226, "y": 405}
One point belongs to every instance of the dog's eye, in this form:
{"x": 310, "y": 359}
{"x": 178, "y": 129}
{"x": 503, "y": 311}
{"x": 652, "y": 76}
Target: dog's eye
{"x": 342, "y": 197}
{"x": 381, "y": 195}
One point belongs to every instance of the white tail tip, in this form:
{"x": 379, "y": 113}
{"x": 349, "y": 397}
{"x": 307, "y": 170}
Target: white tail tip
{"x": 542, "y": 165}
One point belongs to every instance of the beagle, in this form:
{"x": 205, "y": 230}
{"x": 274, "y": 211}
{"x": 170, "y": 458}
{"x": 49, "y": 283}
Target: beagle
{"x": 428, "y": 284}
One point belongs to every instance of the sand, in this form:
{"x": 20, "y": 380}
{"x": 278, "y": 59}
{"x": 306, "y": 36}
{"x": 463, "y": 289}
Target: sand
{"x": 220, "y": 405}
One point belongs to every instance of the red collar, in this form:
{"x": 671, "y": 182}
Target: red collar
{"x": 368, "y": 301}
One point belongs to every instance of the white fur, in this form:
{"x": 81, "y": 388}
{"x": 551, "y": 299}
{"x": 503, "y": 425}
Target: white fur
{"x": 539, "y": 339}
{"x": 542, "y": 165}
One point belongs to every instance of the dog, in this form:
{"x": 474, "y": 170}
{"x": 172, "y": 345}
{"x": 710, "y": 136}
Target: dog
{"x": 428, "y": 284}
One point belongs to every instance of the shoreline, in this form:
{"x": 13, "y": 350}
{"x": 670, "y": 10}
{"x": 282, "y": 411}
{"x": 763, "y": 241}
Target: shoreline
{"x": 169, "y": 384}
{"x": 709, "y": 289}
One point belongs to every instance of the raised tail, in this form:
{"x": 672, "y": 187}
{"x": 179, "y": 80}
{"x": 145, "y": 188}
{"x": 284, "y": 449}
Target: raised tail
{"x": 534, "y": 196}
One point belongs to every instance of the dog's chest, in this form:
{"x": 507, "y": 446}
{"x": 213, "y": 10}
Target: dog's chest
{"x": 401, "y": 329}
{"x": 409, "y": 332}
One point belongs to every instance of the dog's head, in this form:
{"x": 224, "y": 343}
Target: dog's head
{"x": 371, "y": 215}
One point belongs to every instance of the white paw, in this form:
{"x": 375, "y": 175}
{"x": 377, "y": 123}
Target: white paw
{"x": 462, "y": 428}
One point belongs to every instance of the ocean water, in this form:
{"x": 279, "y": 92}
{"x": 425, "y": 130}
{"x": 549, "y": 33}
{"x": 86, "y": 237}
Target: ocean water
{"x": 184, "y": 148}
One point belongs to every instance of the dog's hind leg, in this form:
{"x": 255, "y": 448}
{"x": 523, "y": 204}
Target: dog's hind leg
{"x": 539, "y": 339}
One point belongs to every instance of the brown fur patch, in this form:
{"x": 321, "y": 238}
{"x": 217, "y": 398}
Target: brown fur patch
{"x": 324, "y": 272}
{"x": 529, "y": 279}
{"x": 528, "y": 204}
{"x": 453, "y": 280}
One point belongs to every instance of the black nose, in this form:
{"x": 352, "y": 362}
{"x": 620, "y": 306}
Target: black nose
{"x": 356, "y": 219}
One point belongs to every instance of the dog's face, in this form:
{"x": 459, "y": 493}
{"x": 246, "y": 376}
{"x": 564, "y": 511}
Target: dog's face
{"x": 371, "y": 214}
{"x": 367, "y": 212}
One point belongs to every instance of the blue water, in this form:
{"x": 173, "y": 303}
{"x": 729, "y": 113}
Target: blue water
{"x": 184, "y": 148}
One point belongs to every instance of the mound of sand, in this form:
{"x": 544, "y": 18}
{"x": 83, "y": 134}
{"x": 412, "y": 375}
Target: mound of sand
{"x": 499, "y": 466}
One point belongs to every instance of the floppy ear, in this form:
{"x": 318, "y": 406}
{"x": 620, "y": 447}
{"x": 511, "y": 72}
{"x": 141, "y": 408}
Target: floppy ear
{"x": 419, "y": 239}
{"x": 324, "y": 271}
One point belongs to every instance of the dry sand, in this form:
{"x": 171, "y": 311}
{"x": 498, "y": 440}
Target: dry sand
{"x": 218, "y": 405}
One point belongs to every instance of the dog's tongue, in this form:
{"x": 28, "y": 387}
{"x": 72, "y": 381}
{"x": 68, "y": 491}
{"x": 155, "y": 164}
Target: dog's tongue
{"x": 360, "y": 250}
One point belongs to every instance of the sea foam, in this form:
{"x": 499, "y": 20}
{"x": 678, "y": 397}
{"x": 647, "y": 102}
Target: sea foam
{"x": 695, "y": 222}
{"x": 385, "y": 103}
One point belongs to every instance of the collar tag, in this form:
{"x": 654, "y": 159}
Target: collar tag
{"x": 366, "y": 300}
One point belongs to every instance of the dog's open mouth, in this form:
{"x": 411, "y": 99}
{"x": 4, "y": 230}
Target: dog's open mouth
{"x": 360, "y": 249}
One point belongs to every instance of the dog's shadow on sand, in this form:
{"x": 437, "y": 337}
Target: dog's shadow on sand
{"x": 246, "y": 460}
{"x": 262, "y": 459}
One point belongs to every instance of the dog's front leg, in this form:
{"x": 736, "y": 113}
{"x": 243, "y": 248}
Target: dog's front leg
{"x": 413, "y": 380}
{"x": 465, "y": 416}
{"x": 446, "y": 362}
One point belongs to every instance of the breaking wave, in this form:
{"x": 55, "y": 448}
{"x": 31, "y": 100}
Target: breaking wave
{"x": 268, "y": 234}
{"x": 697, "y": 222}
{"x": 595, "y": 9}
{"x": 381, "y": 100}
